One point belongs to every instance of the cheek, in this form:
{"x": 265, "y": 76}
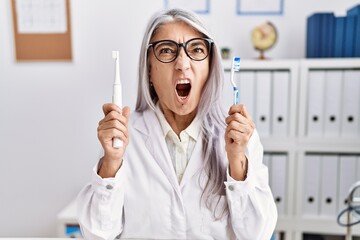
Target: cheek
{"x": 204, "y": 77}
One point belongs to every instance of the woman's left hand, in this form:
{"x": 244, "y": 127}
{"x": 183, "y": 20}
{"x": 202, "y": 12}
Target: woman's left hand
{"x": 239, "y": 129}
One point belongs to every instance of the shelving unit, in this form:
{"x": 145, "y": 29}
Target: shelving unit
{"x": 297, "y": 144}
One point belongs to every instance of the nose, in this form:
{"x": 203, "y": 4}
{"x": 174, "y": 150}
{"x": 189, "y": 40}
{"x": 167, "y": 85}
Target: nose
{"x": 182, "y": 62}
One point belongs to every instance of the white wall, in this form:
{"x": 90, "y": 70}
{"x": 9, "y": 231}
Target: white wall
{"x": 49, "y": 110}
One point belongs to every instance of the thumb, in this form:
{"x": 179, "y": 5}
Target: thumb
{"x": 245, "y": 113}
{"x": 126, "y": 112}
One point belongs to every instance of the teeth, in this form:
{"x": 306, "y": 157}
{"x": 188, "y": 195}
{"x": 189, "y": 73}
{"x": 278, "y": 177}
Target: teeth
{"x": 182, "y": 98}
{"x": 183, "y": 81}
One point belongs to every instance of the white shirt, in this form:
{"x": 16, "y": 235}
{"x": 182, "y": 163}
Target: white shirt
{"x": 180, "y": 147}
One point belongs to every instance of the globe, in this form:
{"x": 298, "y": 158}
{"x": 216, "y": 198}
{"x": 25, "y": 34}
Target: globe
{"x": 263, "y": 37}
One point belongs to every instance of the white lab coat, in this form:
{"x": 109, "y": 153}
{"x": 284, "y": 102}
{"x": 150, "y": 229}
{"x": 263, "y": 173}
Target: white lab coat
{"x": 145, "y": 201}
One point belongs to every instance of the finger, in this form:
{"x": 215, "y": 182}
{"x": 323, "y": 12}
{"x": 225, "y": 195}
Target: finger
{"x": 235, "y": 108}
{"x": 237, "y": 117}
{"x": 108, "y": 135}
{"x": 240, "y": 108}
{"x": 245, "y": 113}
{"x": 236, "y": 136}
{"x": 114, "y": 124}
{"x": 108, "y": 107}
{"x": 240, "y": 127}
{"x": 113, "y": 115}
{"x": 126, "y": 112}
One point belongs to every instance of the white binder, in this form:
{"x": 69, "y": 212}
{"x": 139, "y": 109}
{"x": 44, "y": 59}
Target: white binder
{"x": 351, "y": 104}
{"x": 347, "y": 177}
{"x": 266, "y": 160}
{"x": 247, "y": 91}
{"x": 315, "y": 118}
{"x": 263, "y": 102}
{"x": 358, "y": 168}
{"x": 278, "y": 181}
{"x": 281, "y": 101}
{"x": 332, "y": 103}
{"x": 311, "y": 194}
{"x": 328, "y": 199}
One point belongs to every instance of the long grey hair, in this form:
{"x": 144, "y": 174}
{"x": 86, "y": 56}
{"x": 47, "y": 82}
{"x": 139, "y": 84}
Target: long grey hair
{"x": 209, "y": 110}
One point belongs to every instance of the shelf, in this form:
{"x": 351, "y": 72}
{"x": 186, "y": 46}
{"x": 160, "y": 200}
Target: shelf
{"x": 324, "y": 226}
{"x": 329, "y": 145}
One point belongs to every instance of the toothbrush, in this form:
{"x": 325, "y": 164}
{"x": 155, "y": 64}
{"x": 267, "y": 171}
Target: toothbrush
{"x": 117, "y": 98}
{"x": 235, "y": 66}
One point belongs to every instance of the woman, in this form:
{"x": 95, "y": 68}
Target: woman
{"x": 186, "y": 170}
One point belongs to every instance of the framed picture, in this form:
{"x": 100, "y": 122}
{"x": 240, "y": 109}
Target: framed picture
{"x": 260, "y": 7}
{"x": 197, "y": 6}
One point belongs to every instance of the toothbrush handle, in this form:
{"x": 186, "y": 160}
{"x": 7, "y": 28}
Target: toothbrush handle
{"x": 236, "y": 95}
{"x": 117, "y": 143}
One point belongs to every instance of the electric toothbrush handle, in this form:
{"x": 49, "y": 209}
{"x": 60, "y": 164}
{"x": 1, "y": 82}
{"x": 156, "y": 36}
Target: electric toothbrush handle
{"x": 117, "y": 143}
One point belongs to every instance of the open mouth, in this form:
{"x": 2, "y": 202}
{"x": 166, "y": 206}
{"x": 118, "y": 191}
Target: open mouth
{"x": 183, "y": 88}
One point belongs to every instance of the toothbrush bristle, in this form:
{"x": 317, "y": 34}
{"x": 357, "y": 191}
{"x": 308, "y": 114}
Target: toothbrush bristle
{"x": 236, "y": 63}
{"x": 115, "y": 54}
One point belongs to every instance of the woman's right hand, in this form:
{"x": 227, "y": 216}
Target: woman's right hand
{"x": 113, "y": 125}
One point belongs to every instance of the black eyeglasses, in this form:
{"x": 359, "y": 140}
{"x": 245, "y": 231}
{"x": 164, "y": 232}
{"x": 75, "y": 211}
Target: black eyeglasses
{"x": 196, "y": 49}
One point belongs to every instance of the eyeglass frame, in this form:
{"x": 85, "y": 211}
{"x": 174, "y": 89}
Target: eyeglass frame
{"x": 184, "y": 45}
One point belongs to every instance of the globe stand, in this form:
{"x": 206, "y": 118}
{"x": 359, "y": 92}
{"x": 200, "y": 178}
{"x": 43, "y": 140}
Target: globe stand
{"x": 262, "y": 55}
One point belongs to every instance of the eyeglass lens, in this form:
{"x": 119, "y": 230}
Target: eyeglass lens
{"x": 196, "y": 49}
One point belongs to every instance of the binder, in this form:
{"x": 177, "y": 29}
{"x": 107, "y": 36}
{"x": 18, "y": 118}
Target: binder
{"x": 339, "y": 37}
{"x": 313, "y": 36}
{"x": 281, "y": 101}
{"x": 351, "y": 104}
{"x": 349, "y": 36}
{"x": 357, "y": 37}
{"x": 329, "y": 170}
{"x": 332, "y": 103}
{"x": 266, "y": 161}
{"x": 315, "y": 118}
{"x": 247, "y": 90}
{"x": 311, "y": 195}
{"x": 278, "y": 181}
{"x": 358, "y": 168}
{"x": 327, "y": 34}
{"x": 263, "y": 102}
{"x": 354, "y": 10}
{"x": 347, "y": 177}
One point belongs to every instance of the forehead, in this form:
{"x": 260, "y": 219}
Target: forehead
{"x": 177, "y": 31}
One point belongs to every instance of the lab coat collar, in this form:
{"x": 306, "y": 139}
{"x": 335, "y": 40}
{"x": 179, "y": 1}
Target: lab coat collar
{"x": 149, "y": 125}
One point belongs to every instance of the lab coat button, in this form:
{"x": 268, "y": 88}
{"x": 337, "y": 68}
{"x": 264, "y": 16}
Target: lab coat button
{"x": 109, "y": 187}
{"x": 231, "y": 187}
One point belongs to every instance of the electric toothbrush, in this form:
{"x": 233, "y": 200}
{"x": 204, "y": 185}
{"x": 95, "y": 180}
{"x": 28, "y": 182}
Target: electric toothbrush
{"x": 235, "y": 66}
{"x": 117, "y": 95}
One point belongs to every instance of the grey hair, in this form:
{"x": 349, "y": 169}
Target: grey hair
{"x": 209, "y": 110}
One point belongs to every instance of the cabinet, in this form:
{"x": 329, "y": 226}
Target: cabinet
{"x": 311, "y": 131}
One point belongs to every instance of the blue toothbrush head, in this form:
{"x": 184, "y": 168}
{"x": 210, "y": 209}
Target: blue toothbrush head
{"x": 236, "y": 64}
